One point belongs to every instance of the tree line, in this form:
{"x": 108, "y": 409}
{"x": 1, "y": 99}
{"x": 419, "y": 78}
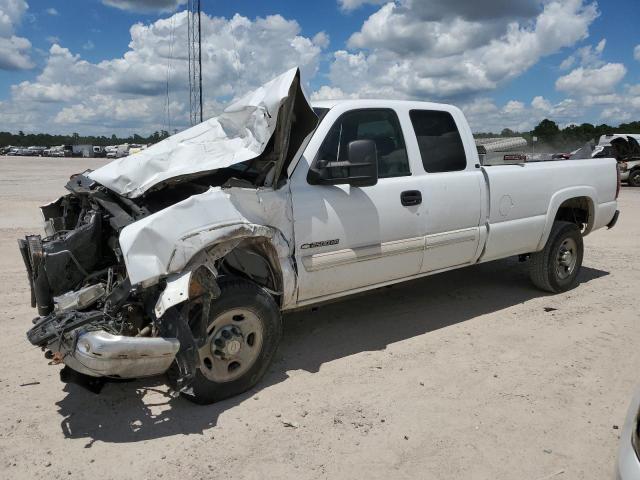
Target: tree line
{"x": 549, "y": 133}
{"x": 22, "y": 139}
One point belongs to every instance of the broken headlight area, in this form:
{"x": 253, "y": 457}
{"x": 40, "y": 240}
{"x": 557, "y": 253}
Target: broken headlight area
{"x": 81, "y": 245}
{"x": 91, "y": 318}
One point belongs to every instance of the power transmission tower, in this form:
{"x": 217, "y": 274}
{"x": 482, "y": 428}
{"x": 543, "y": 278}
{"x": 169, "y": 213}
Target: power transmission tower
{"x": 194, "y": 31}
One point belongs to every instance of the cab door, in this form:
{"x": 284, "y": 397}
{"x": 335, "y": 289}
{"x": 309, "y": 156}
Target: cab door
{"x": 453, "y": 189}
{"x": 349, "y": 238}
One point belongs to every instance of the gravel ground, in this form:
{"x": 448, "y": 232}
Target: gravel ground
{"x": 469, "y": 374}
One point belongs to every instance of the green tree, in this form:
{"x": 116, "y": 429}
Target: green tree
{"x": 547, "y": 130}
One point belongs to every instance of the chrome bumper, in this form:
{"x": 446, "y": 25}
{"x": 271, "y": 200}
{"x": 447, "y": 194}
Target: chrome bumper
{"x": 101, "y": 354}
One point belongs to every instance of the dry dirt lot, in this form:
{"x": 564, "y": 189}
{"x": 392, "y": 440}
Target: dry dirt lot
{"x": 460, "y": 375}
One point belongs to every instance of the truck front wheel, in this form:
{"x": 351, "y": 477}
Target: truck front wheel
{"x": 243, "y": 334}
{"x": 555, "y": 269}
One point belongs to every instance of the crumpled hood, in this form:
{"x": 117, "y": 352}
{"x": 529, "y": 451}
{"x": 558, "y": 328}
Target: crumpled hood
{"x": 240, "y": 133}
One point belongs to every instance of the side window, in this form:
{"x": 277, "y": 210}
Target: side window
{"x": 440, "y": 144}
{"x": 381, "y": 126}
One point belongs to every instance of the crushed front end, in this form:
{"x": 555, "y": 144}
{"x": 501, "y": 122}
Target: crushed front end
{"x": 90, "y": 317}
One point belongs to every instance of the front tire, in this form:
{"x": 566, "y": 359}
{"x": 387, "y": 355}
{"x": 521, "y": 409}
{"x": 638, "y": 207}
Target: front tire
{"x": 243, "y": 333}
{"x": 555, "y": 269}
{"x": 634, "y": 178}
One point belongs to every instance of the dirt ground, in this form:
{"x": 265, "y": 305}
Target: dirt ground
{"x": 470, "y": 374}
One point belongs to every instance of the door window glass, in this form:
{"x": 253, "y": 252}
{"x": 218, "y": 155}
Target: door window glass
{"x": 381, "y": 126}
{"x": 440, "y": 144}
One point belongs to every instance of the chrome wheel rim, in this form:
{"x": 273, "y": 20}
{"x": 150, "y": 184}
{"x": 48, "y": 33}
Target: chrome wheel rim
{"x": 234, "y": 342}
{"x": 567, "y": 258}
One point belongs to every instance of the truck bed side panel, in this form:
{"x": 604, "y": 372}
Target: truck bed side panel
{"x": 524, "y": 200}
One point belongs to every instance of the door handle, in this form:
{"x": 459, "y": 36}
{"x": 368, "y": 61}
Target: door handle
{"x": 411, "y": 198}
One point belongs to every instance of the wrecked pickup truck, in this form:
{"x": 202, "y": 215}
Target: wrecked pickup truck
{"x": 179, "y": 260}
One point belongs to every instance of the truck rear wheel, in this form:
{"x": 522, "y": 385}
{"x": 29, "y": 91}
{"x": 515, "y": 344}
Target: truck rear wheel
{"x": 243, "y": 334}
{"x": 634, "y": 178}
{"x": 555, "y": 269}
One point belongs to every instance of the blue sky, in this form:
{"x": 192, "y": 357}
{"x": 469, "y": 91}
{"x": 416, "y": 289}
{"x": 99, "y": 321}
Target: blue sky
{"x": 507, "y": 63}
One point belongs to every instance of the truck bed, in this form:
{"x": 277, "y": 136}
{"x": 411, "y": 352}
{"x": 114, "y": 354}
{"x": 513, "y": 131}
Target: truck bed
{"x": 521, "y": 197}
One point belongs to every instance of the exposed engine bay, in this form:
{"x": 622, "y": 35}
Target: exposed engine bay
{"x": 92, "y": 318}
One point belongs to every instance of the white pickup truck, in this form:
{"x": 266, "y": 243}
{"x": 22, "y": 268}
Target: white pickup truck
{"x": 181, "y": 258}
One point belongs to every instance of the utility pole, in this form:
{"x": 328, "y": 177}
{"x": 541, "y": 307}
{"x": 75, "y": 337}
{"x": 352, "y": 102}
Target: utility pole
{"x": 194, "y": 35}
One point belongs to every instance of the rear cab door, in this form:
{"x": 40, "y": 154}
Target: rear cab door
{"x": 453, "y": 186}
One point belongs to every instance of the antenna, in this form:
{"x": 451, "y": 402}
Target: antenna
{"x": 194, "y": 32}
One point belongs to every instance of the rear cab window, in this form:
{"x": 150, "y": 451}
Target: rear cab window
{"x": 439, "y": 141}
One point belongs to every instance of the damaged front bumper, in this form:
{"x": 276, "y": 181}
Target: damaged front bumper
{"x": 98, "y": 353}
{"x": 91, "y": 318}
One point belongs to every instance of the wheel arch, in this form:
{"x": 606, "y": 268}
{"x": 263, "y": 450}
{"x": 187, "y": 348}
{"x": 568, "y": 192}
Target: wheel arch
{"x": 575, "y": 205}
{"x": 255, "y": 252}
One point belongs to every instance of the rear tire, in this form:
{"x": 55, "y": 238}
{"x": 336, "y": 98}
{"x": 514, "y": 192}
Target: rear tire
{"x": 555, "y": 269}
{"x": 634, "y": 178}
{"x": 243, "y": 318}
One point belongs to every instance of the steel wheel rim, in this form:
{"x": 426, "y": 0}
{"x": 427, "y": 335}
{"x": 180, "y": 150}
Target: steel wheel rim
{"x": 567, "y": 258}
{"x": 234, "y": 342}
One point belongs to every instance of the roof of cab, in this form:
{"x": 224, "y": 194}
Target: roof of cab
{"x": 379, "y": 102}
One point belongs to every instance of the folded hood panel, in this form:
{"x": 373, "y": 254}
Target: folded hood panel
{"x": 242, "y": 132}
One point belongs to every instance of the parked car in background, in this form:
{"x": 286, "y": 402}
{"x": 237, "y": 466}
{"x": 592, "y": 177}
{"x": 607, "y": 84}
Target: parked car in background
{"x": 136, "y": 147}
{"x": 110, "y": 151}
{"x": 19, "y": 151}
{"x": 35, "y": 151}
{"x": 6, "y": 150}
{"x": 59, "y": 151}
{"x": 99, "y": 152}
{"x": 627, "y": 151}
{"x": 628, "y": 464}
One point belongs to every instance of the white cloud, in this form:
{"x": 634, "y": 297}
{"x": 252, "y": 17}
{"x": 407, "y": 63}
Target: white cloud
{"x": 636, "y": 52}
{"x": 88, "y": 45}
{"x": 128, "y": 92}
{"x": 349, "y": 5}
{"x": 513, "y": 107}
{"x": 14, "y": 50}
{"x": 485, "y": 116}
{"x": 51, "y": 11}
{"x": 588, "y": 56}
{"x": 331, "y": 93}
{"x": 616, "y": 115}
{"x": 321, "y": 39}
{"x": 584, "y": 80}
{"x": 54, "y": 92}
{"x": 541, "y": 104}
{"x": 444, "y": 49}
{"x": 145, "y": 5}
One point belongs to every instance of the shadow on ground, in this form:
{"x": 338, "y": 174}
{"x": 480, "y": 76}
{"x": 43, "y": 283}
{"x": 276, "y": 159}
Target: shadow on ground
{"x": 124, "y": 412}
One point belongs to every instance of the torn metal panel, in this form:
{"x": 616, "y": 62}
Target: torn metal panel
{"x": 216, "y": 221}
{"x": 258, "y": 125}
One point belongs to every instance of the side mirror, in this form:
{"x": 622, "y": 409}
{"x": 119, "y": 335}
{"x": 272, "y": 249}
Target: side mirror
{"x": 361, "y": 168}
